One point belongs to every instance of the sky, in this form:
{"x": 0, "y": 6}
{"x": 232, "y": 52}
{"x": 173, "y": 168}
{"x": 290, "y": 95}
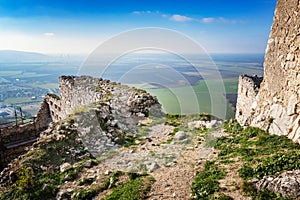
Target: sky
{"x": 79, "y": 26}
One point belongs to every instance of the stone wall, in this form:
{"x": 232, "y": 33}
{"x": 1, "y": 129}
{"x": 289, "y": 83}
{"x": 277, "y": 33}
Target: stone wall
{"x": 247, "y": 93}
{"x": 80, "y": 91}
{"x": 76, "y": 91}
{"x": 276, "y": 107}
{"x": 14, "y": 139}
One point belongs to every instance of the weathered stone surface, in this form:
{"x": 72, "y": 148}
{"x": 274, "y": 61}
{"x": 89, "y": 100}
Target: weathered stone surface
{"x": 273, "y": 105}
{"x": 180, "y": 135}
{"x": 200, "y": 124}
{"x": 287, "y": 184}
{"x": 152, "y": 167}
{"x": 24, "y": 134}
{"x": 64, "y": 167}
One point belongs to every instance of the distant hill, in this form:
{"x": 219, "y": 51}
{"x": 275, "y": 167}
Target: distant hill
{"x": 22, "y": 56}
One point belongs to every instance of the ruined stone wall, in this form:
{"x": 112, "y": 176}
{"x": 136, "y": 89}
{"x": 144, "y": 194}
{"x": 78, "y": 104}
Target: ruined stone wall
{"x": 278, "y": 100}
{"x": 80, "y": 91}
{"x": 14, "y": 139}
{"x": 76, "y": 91}
{"x": 247, "y": 93}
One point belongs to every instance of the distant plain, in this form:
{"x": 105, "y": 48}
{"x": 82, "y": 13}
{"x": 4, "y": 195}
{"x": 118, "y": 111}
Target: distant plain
{"x": 25, "y": 83}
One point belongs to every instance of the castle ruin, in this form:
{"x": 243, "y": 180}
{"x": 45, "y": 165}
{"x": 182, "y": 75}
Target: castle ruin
{"x": 113, "y": 99}
{"x": 274, "y": 104}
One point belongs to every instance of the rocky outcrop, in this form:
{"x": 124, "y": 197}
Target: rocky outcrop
{"x": 276, "y": 106}
{"x": 79, "y": 91}
{"x": 246, "y": 101}
{"x": 105, "y": 113}
{"x": 287, "y": 184}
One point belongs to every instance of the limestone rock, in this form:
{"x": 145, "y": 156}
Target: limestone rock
{"x": 273, "y": 104}
{"x": 65, "y": 167}
{"x": 287, "y": 184}
{"x": 180, "y": 135}
{"x": 152, "y": 167}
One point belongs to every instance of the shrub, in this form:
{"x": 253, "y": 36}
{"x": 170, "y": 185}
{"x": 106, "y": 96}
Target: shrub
{"x": 25, "y": 178}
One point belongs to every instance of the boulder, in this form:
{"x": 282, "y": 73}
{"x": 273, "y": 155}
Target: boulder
{"x": 65, "y": 167}
{"x": 180, "y": 135}
{"x": 287, "y": 184}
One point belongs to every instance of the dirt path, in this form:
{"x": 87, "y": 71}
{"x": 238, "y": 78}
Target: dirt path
{"x": 174, "y": 162}
{"x": 175, "y": 182}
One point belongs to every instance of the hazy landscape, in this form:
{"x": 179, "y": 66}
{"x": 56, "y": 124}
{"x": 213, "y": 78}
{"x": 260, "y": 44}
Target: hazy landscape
{"x": 127, "y": 100}
{"x": 26, "y": 80}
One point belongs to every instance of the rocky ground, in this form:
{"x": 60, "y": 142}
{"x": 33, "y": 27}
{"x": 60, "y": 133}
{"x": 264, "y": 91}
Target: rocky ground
{"x": 171, "y": 157}
{"x": 162, "y": 163}
{"x": 124, "y": 147}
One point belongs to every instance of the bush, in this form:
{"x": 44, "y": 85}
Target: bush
{"x": 25, "y": 178}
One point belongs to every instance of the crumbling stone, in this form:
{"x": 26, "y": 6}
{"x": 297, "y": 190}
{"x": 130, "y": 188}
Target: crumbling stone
{"x": 273, "y": 103}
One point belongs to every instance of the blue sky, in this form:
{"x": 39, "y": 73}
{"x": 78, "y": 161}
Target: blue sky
{"x": 72, "y": 27}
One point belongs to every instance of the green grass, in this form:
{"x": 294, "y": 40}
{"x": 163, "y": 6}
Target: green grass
{"x": 261, "y": 155}
{"x": 206, "y": 184}
{"x": 136, "y": 188}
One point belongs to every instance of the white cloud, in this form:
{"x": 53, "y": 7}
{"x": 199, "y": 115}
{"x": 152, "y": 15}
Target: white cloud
{"x": 181, "y": 18}
{"x": 227, "y": 21}
{"x": 140, "y": 12}
{"x": 49, "y": 34}
{"x": 137, "y": 12}
{"x": 208, "y": 20}
{"x": 218, "y": 19}
{"x": 42, "y": 44}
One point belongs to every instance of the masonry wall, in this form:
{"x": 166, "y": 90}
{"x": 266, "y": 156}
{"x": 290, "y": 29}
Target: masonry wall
{"x": 278, "y": 100}
{"x": 247, "y": 93}
{"x": 14, "y": 139}
{"x": 76, "y": 91}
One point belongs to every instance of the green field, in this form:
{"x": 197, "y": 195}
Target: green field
{"x": 195, "y": 99}
{"x": 51, "y": 87}
{"x": 20, "y": 100}
{"x": 10, "y": 73}
{"x": 29, "y": 75}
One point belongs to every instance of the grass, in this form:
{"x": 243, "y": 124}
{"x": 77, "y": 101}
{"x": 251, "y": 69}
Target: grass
{"x": 44, "y": 85}
{"x": 206, "y": 184}
{"x": 253, "y": 153}
{"x": 122, "y": 185}
{"x": 136, "y": 188}
{"x": 31, "y": 182}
